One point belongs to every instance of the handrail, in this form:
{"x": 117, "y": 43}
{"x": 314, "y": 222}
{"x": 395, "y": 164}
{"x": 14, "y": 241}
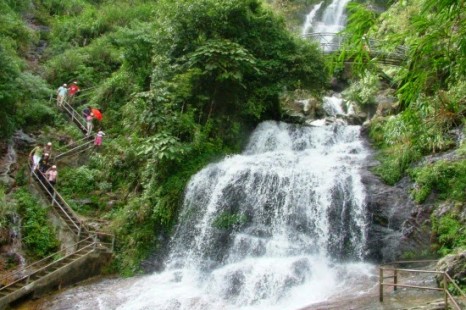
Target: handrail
{"x": 75, "y": 116}
{"x": 54, "y": 201}
{"x": 72, "y": 144}
{"x": 72, "y": 150}
{"x": 331, "y": 42}
{"x": 446, "y": 280}
{"x": 43, "y": 260}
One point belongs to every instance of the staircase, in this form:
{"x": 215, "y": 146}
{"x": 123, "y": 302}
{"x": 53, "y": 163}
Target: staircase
{"x": 60, "y": 268}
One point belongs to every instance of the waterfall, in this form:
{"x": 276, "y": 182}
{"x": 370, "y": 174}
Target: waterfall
{"x": 310, "y": 18}
{"x": 332, "y": 21}
{"x": 278, "y": 226}
{"x": 333, "y": 18}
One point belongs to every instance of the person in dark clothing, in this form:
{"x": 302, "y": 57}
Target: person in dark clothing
{"x": 86, "y": 112}
{"x": 44, "y": 163}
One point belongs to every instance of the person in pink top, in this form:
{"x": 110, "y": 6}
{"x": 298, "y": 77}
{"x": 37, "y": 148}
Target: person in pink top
{"x": 72, "y": 90}
{"x": 98, "y": 138}
{"x": 51, "y": 175}
{"x": 89, "y": 124}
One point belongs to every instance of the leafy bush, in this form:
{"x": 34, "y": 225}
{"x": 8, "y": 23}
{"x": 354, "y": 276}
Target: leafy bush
{"x": 451, "y": 233}
{"x": 364, "y": 90}
{"x": 38, "y": 234}
{"x": 75, "y": 182}
{"x": 445, "y": 178}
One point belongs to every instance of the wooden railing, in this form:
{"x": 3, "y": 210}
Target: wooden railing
{"x": 447, "y": 281}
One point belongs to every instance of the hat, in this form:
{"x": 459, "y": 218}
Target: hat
{"x": 75, "y": 82}
{"x": 64, "y": 84}
{"x": 50, "y": 143}
{"x": 54, "y": 167}
{"x": 46, "y": 154}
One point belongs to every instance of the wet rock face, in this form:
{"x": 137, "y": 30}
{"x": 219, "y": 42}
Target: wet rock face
{"x": 396, "y": 224}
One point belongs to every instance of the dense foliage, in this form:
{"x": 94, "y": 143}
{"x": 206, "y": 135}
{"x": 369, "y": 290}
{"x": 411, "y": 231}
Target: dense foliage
{"x": 431, "y": 91}
{"x": 38, "y": 234}
{"x": 180, "y": 84}
{"x": 22, "y": 94}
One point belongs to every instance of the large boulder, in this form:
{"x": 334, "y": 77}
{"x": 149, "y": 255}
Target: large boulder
{"x": 396, "y": 225}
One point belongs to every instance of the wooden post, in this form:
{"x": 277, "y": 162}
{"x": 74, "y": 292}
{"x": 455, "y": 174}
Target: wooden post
{"x": 395, "y": 278}
{"x": 380, "y": 284}
{"x": 445, "y": 290}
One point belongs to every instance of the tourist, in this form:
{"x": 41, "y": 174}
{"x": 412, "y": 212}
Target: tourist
{"x": 48, "y": 148}
{"x": 89, "y": 124}
{"x": 98, "y": 138}
{"x": 44, "y": 163}
{"x": 35, "y": 156}
{"x": 51, "y": 175}
{"x": 72, "y": 90}
{"x": 61, "y": 94}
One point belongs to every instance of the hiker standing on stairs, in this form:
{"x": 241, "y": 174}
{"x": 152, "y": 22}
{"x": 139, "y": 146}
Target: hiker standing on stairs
{"x": 51, "y": 176}
{"x": 98, "y": 138}
{"x": 62, "y": 91}
{"x": 48, "y": 148}
{"x": 72, "y": 90}
{"x": 35, "y": 155}
{"x": 89, "y": 119}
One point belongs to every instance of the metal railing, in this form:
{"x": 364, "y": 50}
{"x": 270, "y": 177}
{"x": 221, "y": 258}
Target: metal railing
{"x": 30, "y": 270}
{"x": 75, "y": 116}
{"x": 333, "y": 42}
{"x": 75, "y": 150}
{"x": 447, "y": 280}
{"x": 67, "y": 147}
{"x": 58, "y": 201}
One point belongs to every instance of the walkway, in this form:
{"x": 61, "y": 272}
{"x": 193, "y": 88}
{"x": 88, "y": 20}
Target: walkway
{"x": 332, "y": 43}
{"x": 58, "y": 268}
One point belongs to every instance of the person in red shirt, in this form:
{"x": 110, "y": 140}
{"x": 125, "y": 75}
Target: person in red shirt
{"x": 72, "y": 90}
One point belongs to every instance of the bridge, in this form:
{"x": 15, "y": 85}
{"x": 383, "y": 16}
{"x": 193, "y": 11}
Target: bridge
{"x": 333, "y": 43}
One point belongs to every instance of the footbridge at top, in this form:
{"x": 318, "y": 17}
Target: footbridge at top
{"x": 332, "y": 43}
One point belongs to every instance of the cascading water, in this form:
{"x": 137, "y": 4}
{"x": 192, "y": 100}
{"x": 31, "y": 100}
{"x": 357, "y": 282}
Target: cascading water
{"x": 332, "y": 21}
{"x": 280, "y": 226}
{"x": 333, "y": 18}
{"x": 268, "y": 228}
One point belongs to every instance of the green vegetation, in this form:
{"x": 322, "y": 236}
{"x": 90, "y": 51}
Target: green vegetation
{"x": 38, "y": 235}
{"x": 183, "y": 83}
{"x": 228, "y": 220}
{"x": 431, "y": 91}
{"x": 430, "y": 83}
{"x": 446, "y": 178}
{"x": 23, "y": 95}
{"x": 451, "y": 233}
{"x": 180, "y": 85}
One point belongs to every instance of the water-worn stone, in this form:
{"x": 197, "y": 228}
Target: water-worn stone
{"x": 396, "y": 225}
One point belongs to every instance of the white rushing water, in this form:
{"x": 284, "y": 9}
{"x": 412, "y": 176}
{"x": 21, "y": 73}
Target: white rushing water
{"x": 280, "y": 226}
{"x": 296, "y": 206}
{"x": 326, "y": 20}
